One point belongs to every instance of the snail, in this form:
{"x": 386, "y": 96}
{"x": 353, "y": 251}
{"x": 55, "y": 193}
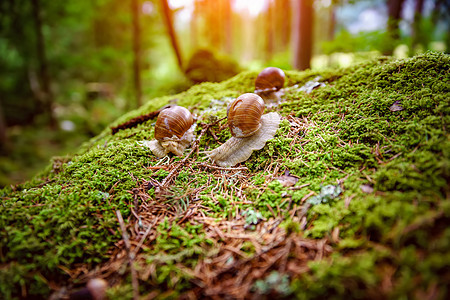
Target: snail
{"x": 250, "y": 130}
{"x": 268, "y": 85}
{"x": 95, "y": 289}
{"x": 174, "y": 131}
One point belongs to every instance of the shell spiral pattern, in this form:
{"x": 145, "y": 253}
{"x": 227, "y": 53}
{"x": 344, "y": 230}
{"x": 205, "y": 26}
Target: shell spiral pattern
{"x": 173, "y": 122}
{"x": 244, "y": 115}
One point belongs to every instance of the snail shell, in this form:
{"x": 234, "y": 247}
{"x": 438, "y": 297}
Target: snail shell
{"x": 240, "y": 146}
{"x": 268, "y": 84}
{"x": 174, "y": 131}
{"x": 244, "y": 115}
{"x": 173, "y": 122}
{"x": 269, "y": 79}
{"x": 95, "y": 289}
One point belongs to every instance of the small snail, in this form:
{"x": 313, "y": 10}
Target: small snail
{"x": 250, "y": 130}
{"x": 95, "y": 289}
{"x": 173, "y": 131}
{"x": 268, "y": 85}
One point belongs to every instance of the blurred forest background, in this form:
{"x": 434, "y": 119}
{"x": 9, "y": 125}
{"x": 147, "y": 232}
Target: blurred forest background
{"x": 69, "y": 68}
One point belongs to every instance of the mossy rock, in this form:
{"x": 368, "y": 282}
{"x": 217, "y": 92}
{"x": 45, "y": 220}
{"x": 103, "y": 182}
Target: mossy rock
{"x": 204, "y": 66}
{"x": 367, "y": 216}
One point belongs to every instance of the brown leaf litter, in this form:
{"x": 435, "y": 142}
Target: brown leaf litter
{"x": 227, "y": 269}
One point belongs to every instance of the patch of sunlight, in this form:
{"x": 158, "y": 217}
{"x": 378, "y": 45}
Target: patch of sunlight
{"x": 340, "y": 59}
{"x": 319, "y": 62}
{"x": 337, "y": 59}
{"x": 438, "y": 46}
{"x": 254, "y": 65}
{"x": 401, "y": 51}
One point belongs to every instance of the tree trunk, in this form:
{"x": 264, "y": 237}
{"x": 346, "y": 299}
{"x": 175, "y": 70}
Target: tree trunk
{"x": 282, "y": 20}
{"x": 194, "y": 26}
{"x": 441, "y": 11}
{"x": 303, "y": 20}
{"x": 286, "y": 29}
{"x": 332, "y": 24}
{"x": 213, "y": 21}
{"x": 44, "y": 78}
{"x": 228, "y": 36}
{"x": 269, "y": 33}
{"x": 416, "y": 26}
{"x": 135, "y": 12}
{"x": 393, "y": 31}
{"x": 3, "y": 135}
{"x": 167, "y": 13}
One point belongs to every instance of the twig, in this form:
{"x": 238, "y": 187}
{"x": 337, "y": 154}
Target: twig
{"x": 194, "y": 147}
{"x": 299, "y": 187}
{"x": 141, "y": 242}
{"x": 137, "y": 120}
{"x": 220, "y": 168}
{"x": 395, "y": 156}
{"x": 156, "y": 167}
{"x": 169, "y": 177}
{"x": 306, "y": 197}
{"x": 153, "y": 182}
{"x": 134, "y": 280}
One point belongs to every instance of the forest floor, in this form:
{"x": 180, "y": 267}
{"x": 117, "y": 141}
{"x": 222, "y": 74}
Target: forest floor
{"x": 350, "y": 199}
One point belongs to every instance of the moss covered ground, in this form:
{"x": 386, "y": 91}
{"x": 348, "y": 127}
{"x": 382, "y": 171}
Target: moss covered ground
{"x": 349, "y": 200}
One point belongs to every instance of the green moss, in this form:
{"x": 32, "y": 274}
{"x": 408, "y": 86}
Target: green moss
{"x": 343, "y": 133}
{"x": 344, "y": 277}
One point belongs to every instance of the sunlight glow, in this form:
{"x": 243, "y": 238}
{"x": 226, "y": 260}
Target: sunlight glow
{"x": 250, "y": 7}
{"x": 187, "y": 8}
{"x": 148, "y": 8}
{"x": 253, "y": 7}
{"x": 180, "y": 3}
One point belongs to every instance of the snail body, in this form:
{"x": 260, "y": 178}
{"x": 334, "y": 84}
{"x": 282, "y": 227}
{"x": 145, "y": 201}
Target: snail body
{"x": 250, "y": 130}
{"x": 269, "y": 84}
{"x": 174, "y": 131}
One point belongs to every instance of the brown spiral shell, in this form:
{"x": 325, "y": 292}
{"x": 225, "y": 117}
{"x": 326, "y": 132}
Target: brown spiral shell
{"x": 173, "y": 121}
{"x": 269, "y": 79}
{"x": 244, "y": 115}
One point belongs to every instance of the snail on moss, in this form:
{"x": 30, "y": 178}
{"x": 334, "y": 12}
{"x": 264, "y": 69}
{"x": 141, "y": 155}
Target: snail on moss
{"x": 95, "y": 289}
{"x": 174, "y": 131}
{"x": 268, "y": 85}
{"x": 250, "y": 130}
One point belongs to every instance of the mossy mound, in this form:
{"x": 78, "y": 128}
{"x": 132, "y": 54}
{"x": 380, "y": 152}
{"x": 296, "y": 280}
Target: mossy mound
{"x": 350, "y": 199}
{"x": 204, "y": 66}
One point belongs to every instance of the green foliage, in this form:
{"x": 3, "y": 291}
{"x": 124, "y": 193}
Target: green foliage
{"x": 361, "y": 42}
{"x": 341, "y": 278}
{"x": 66, "y": 221}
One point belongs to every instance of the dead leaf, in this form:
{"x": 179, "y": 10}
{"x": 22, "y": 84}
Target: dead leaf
{"x": 311, "y": 85}
{"x": 366, "y": 188}
{"x": 287, "y": 180}
{"x": 396, "y": 106}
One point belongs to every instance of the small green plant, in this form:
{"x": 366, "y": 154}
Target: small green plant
{"x": 273, "y": 282}
{"x": 252, "y": 218}
{"x": 327, "y": 193}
